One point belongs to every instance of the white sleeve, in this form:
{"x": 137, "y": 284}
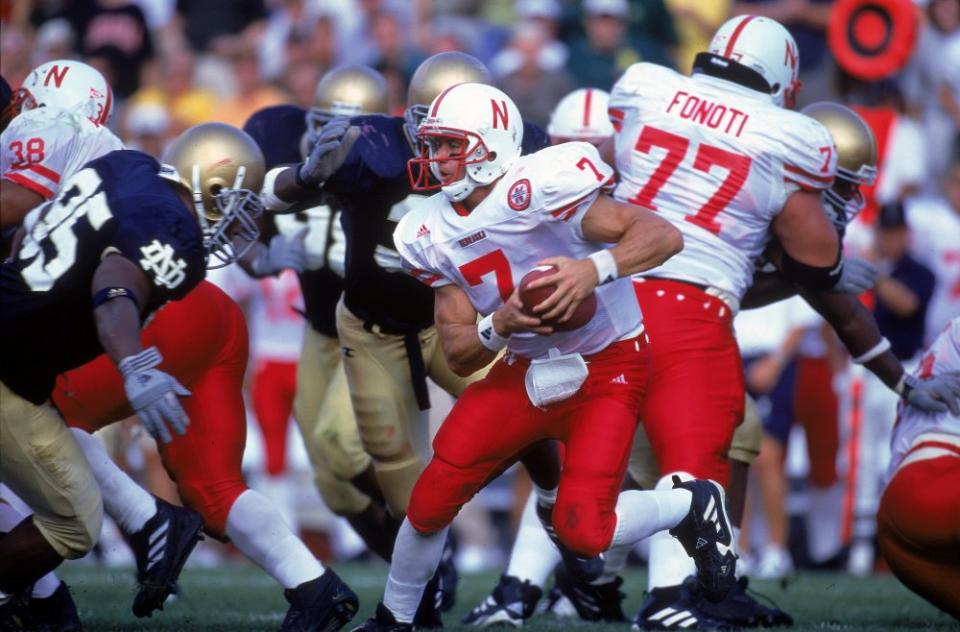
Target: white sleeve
{"x": 809, "y": 156}
{"x": 569, "y": 178}
{"x": 36, "y": 154}
{"x": 412, "y": 240}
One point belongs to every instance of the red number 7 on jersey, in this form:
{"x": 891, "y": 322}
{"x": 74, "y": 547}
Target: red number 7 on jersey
{"x": 707, "y": 157}
{"x": 496, "y": 262}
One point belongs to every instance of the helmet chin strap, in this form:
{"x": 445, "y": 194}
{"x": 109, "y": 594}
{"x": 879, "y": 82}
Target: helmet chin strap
{"x": 459, "y": 191}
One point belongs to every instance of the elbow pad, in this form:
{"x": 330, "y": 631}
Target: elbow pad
{"x": 811, "y": 277}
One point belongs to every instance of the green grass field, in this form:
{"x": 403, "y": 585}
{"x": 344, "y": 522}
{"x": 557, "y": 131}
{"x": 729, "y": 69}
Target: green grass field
{"x": 240, "y": 597}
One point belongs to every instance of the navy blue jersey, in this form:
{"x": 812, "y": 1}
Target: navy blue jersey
{"x": 116, "y": 204}
{"x": 374, "y": 191}
{"x": 277, "y": 130}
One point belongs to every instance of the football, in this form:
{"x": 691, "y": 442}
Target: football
{"x": 533, "y": 297}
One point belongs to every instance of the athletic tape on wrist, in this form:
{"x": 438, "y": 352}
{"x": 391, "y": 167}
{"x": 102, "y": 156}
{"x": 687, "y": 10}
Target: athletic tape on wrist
{"x": 270, "y": 199}
{"x": 881, "y": 347}
{"x": 489, "y": 337}
{"x": 606, "y": 266}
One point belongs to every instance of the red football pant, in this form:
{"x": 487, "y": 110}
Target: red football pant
{"x": 816, "y": 407}
{"x": 918, "y": 530}
{"x": 274, "y": 387}
{"x": 696, "y": 389}
{"x": 203, "y": 341}
{"x": 493, "y": 421}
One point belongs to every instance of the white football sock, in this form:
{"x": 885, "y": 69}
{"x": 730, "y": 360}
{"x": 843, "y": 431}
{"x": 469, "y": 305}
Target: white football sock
{"x": 614, "y": 561}
{"x": 415, "y": 560}
{"x": 642, "y": 513}
{"x": 534, "y": 555}
{"x": 45, "y": 586}
{"x": 823, "y": 521}
{"x": 9, "y": 517}
{"x": 256, "y": 528}
{"x": 669, "y": 563}
{"x": 126, "y": 502}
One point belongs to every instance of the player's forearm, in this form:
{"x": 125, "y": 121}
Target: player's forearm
{"x": 645, "y": 245}
{"x": 118, "y": 328}
{"x": 765, "y": 289}
{"x": 858, "y": 331}
{"x": 281, "y": 189}
{"x": 120, "y": 290}
{"x": 462, "y": 349}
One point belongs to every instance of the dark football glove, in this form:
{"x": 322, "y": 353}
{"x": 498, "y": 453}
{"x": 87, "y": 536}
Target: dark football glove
{"x": 153, "y": 394}
{"x": 328, "y": 152}
{"x": 935, "y": 395}
{"x": 858, "y": 276}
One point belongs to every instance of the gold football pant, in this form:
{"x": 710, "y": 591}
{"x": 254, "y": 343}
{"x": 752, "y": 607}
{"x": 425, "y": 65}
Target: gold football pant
{"x": 323, "y": 412}
{"x": 393, "y": 429}
{"x": 744, "y": 447}
{"x": 42, "y": 463}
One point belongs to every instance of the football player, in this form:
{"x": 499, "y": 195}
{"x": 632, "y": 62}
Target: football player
{"x": 209, "y": 355}
{"x": 497, "y": 216}
{"x": 385, "y": 318}
{"x": 343, "y": 471}
{"x": 918, "y": 524}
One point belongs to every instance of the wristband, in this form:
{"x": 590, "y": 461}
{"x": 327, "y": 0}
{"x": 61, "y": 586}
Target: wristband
{"x": 881, "y": 347}
{"x": 606, "y": 266}
{"x": 271, "y": 201}
{"x": 106, "y": 294}
{"x": 489, "y": 337}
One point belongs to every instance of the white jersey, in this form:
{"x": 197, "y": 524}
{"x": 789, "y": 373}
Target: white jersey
{"x": 916, "y": 429}
{"x": 532, "y": 213}
{"x": 936, "y": 244}
{"x": 44, "y": 146}
{"x": 716, "y": 159}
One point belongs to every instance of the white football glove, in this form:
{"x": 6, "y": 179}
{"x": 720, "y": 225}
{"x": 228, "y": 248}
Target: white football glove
{"x": 153, "y": 394}
{"x": 328, "y": 152}
{"x": 284, "y": 252}
{"x": 858, "y": 276}
{"x": 935, "y": 395}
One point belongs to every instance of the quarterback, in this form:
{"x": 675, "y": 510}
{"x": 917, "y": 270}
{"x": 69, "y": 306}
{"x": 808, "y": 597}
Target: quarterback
{"x": 497, "y": 216}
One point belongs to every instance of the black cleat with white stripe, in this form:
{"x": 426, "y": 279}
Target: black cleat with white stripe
{"x": 323, "y": 604}
{"x": 593, "y": 602}
{"x": 676, "y": 608}
{"x": 161, "y": 547}
{"x": 706, "y": 537}
{"x": 511, "y": 603}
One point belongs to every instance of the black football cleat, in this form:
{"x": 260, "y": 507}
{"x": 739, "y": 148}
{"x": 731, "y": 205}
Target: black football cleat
{"x": 161, "y": 547}
{"x": 383, "y": 621}
{"x": 586, "y": 569}
{"x": 428, "y": 611}
{"x": 56, "y": 613}
{"x": 675, "y": 608}
{"x": 741, "y": 609}
{"x": 706, "y": 537}
{"x": 593, "y": 602}
{"x": 511, "y": 603}
{"x": 323, "y": 604}
{"x": 448, "y": 578}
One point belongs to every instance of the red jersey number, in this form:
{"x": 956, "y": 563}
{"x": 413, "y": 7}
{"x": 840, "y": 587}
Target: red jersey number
{"x": 27, "y": 153}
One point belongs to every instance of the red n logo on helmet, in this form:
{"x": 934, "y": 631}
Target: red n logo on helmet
{"x": 790, "y": 55}
{"x": 500, "y": 113}
{"x": 56, "y": 74}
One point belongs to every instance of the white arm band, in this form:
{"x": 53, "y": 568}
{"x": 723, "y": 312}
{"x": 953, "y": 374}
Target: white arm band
{"x": 270, "y": 200}
{"x": 879, "y": 348}
{"x": 489, "y": 337}
{"x": 606, "y": 266}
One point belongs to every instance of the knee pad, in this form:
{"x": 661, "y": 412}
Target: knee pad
{"x": 437, "y": 497}
{"x": 582, "y": 527}
{"x": 75, "y": 536}
{"x": 212, "y": 500}
{"x": 749, "y": 434}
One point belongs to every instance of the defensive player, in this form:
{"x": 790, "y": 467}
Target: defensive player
{"x": 496, "y": 217}
{"x": 918, "y": 524}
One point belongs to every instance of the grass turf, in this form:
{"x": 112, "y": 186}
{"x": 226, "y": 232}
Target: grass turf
{"x": 241, "y": 597}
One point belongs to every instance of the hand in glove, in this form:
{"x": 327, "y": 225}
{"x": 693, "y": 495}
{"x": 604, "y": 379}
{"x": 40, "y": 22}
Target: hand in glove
{"x": 284, "y": 252}
{"x": 858, "y": 276}
{"x": 935, "y": 395}
{"x": 329, "y": 151}
{"x": 153, "y": 394}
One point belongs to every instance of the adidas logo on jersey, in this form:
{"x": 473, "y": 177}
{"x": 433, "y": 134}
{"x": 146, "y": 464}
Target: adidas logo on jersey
{"x": 620, "y": 379}
{"x": 423, "y": 231}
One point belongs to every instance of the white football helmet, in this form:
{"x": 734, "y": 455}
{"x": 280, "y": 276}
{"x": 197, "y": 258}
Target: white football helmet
{"x": 70, "y": 85}
{"x": 488, "y": 123}
{"x": 581, "y": 115}
{"x": 765, "y": 46}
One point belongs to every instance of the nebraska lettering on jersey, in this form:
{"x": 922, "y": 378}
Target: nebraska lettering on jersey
{"x": 703, "y": 111}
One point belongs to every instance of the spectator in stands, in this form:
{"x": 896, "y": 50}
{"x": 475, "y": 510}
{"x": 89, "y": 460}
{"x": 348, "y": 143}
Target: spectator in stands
{"x": 252, "y": 93}
{"x": 695, "y": 22}
{"x": 214, "y": 26}
{"x": 116, "y": 30}
{"x": 187, "y": 103}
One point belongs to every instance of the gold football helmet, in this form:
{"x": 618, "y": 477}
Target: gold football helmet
{"x": 436, "y": 74}
{"x": 223, "y": 168}
{"x": 856, "y": 158}
{"x": 348, "y": 91}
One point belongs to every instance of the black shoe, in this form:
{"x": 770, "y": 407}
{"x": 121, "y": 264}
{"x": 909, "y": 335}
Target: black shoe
{"x": 319, "y": 605}
{"x": 603, "y": 602}
{"x": 706, "y": 537}
{"x": 448, "y": 579}
{"x": 511, "y": 603}
{"x": 586, "y": 569}
{"x": 161, "y": 547}
{"x": 675, "y": 608}
{"x": 741, "y": 609}
{"x": 383, "y": 622}
{"x": 56, "y": 613}
{"x": 428, "y": 612}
